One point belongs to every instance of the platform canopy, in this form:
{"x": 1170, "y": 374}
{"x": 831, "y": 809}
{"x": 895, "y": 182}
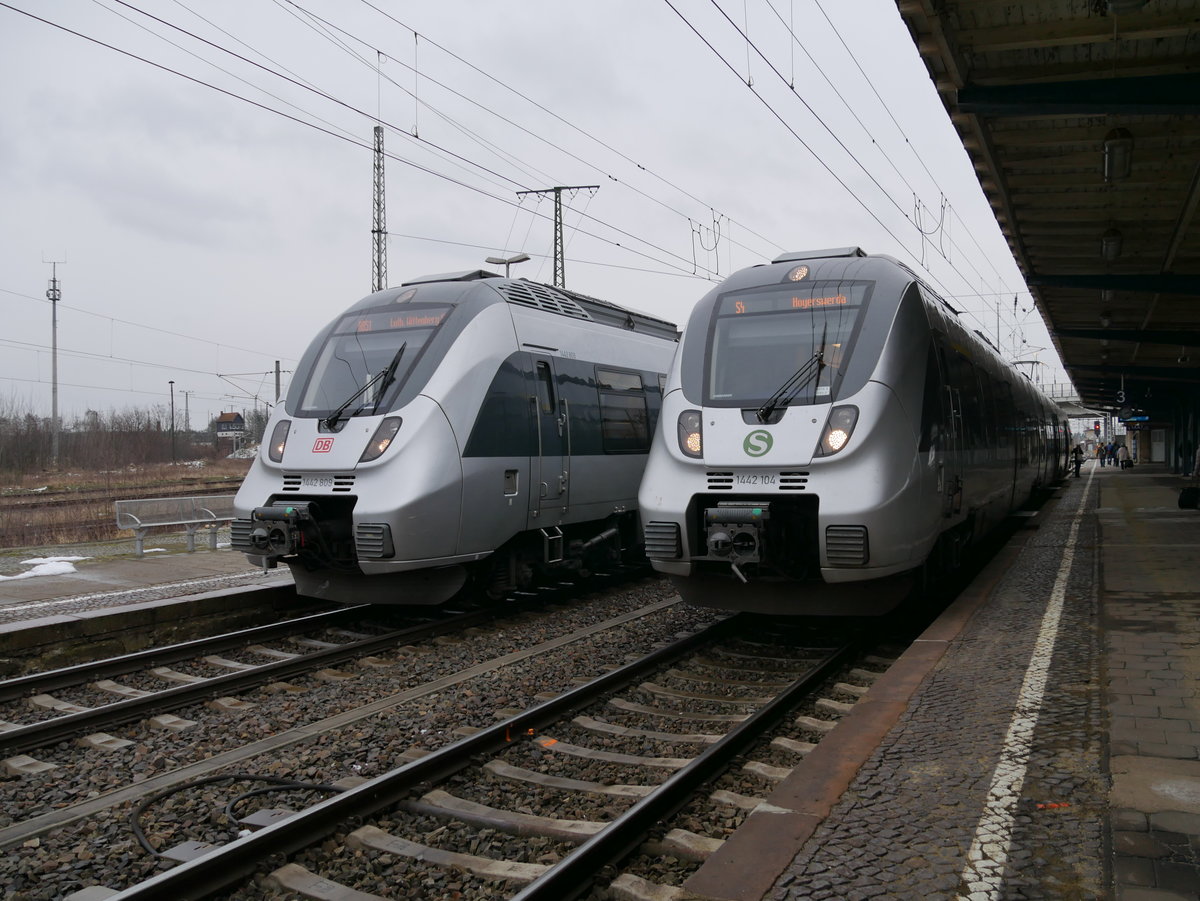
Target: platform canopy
{"x": 1082, "y": 118}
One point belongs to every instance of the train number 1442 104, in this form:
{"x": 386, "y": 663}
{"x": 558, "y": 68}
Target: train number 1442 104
{"x": 755, "y": 478}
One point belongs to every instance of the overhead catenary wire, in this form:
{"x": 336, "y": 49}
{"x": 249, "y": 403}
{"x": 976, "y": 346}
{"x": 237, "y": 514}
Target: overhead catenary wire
{"x": 816, "y": 156}
{"x": 544, "y": 177}
{"x": 142, "y": 325}
{"x": 681, "y": 265}
{"x": 428, "y": 95}
{"x": 366, "y": 114}
{"x": 900, "y": 128}
{"x": 564, "y": 121}
{"x": 915, "y": 218}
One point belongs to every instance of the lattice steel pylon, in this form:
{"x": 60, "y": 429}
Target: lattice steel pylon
{"x": 379, "y": 225}
{"x": 560, "y": 257}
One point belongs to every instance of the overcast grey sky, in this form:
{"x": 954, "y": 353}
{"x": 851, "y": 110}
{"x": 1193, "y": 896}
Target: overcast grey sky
{"x": 212, "y": 220}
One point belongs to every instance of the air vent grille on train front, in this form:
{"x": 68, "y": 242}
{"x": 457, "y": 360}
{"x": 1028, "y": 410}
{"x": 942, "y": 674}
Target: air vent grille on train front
{"x": 239, "y": 535}
{"x": 662, "y": 541}
{"x": 720, "y": 481}
{"x": 847, "y": 545}
{"x": 793, "y": 481}
{"x": 373, "y": 540}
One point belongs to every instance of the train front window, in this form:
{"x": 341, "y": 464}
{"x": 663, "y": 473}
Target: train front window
{"x": 760, "y": 339}
{"x": 360, "y": 347}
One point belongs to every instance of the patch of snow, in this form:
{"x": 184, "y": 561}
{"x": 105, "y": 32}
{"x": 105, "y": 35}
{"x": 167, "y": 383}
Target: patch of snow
{"x": 46, "y": 566}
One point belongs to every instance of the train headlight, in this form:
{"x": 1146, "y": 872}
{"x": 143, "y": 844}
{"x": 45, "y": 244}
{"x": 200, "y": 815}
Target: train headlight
{"x": 838, "y": 429}
{"x": 691, "y": 438}
{"x": 382, "y": 439}
{"x": 278, "y": 440}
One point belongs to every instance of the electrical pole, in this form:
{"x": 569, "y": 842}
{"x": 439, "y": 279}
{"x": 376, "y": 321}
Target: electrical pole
{"x": 53, "y": 294}
{"x": 379, "y": 228}
{"x": 560, "y": 275}
{"x": 187, "y": 414}
{"x": 277, "y": 381}
{"x": 172, "y": 384}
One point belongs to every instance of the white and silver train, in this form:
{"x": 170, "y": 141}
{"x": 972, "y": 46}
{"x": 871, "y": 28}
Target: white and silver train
{"x": 832, "y": 436}
{"x": 462, "y": 426}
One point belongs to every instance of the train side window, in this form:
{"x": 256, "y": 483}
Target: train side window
{"x": 987, "y": 410}
{"x": 624, "y": 418}
{"x": 545, "y": 387}
{"x": 964, "y": 378}
{"x": 1006, "y": 421}
{"x": 617, "y": 380}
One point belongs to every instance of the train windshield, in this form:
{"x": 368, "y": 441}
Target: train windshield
{"x": 359, "y": 348}
{"x": 760, "y": 339}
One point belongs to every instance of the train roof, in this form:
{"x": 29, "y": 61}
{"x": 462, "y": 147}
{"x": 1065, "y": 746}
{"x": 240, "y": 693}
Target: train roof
{"x": 558, "y": 301}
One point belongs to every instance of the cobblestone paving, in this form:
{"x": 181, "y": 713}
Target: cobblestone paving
{"x": 904, "y": 828}
{"x": 1153, "y": 686}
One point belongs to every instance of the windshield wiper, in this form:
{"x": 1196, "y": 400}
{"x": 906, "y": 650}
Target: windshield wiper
{"x": 384, "y": 378}
{"x": 388, "y": 376}
{"x": 796, "y": 383}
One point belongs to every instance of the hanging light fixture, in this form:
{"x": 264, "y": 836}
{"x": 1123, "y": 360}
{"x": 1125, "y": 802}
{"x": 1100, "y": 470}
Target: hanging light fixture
{"x": 1121, "y": 7}
{"x": 1110, "y": 244}
{"x": 1118, "y": 154}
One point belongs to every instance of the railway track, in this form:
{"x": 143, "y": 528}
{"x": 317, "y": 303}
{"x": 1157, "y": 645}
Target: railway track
{"x": 81, "y": 515}
{"x": 510, "y": 688}
{"x": 76, "y": 496}
{"x": 273, "y": 728}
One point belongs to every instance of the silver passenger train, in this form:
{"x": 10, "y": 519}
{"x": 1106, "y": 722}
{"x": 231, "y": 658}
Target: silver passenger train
{"x": 833, "y": 436}
{"x": 463, "y": 426}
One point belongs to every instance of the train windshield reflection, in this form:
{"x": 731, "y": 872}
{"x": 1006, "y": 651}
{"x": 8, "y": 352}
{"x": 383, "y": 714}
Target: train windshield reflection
{"x": 361, "y": 346}
{"x": 759, "y": 339}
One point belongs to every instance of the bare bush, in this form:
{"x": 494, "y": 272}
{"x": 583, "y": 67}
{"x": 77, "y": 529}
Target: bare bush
{"x": 96, "y": 441}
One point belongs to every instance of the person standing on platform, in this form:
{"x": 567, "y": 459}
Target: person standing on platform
{"x": 1123, "y": 456}
{"x": 1077, "y": 454}
{"x": 1100, "y": 453}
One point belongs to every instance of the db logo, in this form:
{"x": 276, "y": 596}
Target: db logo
{"x": 322, "y": 446}
{"x": 758, "y": 443}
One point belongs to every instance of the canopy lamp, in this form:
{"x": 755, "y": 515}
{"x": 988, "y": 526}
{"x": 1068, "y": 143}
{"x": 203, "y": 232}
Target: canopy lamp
{"x": 1118, "y": 154}
{"x": 1110, "y": 244}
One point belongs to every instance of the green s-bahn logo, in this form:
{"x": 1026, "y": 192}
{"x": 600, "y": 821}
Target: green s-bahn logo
{"x": 758, "y": 443}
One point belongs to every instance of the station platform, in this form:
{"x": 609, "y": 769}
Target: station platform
{"x": 1040, "y": 740}
{"x": 43, "y": 583}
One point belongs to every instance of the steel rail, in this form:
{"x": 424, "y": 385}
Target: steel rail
{"x": 80, "y": 673}
{"x": 224, "y": 867}
{"x": 50, "y": 731}
{"x": 574, "y": 874}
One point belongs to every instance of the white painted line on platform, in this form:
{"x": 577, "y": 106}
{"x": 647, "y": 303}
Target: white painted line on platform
{"x": 987, "y": 858}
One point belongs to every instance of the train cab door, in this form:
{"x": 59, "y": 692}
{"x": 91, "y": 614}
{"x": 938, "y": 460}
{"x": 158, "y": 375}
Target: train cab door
{"x": 950, "y": 454}
{"x": 550, "y": 468}
{"x": 952, "y": 461}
